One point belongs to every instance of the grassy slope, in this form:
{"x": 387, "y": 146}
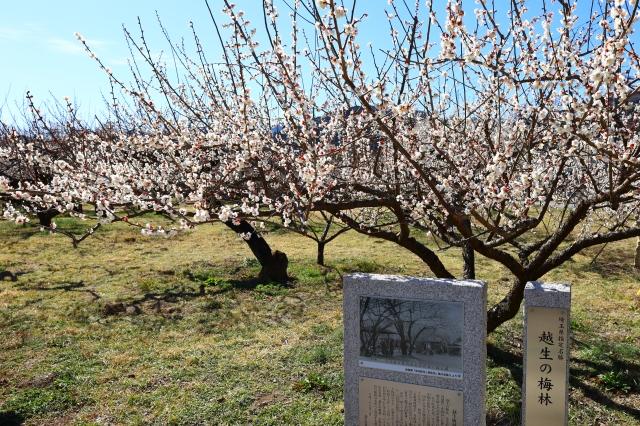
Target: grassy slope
{"x": 266, "y": 356}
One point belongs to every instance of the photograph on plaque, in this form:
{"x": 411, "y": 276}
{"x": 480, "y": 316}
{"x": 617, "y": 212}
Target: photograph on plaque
{"x": 412, "y": 336}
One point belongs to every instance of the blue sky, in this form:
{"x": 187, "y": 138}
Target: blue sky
{"x": 41, "y": 54}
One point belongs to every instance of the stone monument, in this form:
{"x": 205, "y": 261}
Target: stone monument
{"x": 546, "y": 354}
{"x": 414, "y": 351}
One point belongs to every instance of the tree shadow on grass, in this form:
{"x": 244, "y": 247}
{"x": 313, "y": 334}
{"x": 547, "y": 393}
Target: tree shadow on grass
{"x": 608, "y": 270}
{"x": 242, "y": 284}
{"x": 132, "y": 306}
{"x": 21, "y": 233}
{"x": 154, "y": 300}
{"x": 78, "y": 286}
{"x": 577, "y": 376}
{"x": 253, "y": 283}
{"x": 10, "y": 276}
{"x": 506, "y": 359}
{"x": 608, "y": 262}
{"x": 11, "y": 418}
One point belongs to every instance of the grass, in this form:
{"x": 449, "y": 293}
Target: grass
{"x": 133, "y": 330}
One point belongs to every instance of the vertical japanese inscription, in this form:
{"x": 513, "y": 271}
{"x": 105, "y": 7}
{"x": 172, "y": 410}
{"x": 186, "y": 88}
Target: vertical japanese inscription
{"x": 546, "y": 383}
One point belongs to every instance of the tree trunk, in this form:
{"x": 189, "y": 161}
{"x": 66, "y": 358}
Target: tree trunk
{"x": 403, "y": 346}
{"x": 274, "y": 263}
{"x": 46, "y": 216}
{"x": 403, "y": 339}
{"x": 636, "y": 262}
{"x": 508, "y": 307}
{"x": 275, "y": 270}
{"x": 468, "y": 255}
{"x": 320, "y": 257}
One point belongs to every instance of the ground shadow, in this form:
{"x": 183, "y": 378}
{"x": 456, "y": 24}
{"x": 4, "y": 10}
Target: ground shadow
{"x": 154, "y": 299}
{"x": 577, "y": 375}
{"x": 609, "y": 262}
{"x": 243, "y": 284}
{"x": 78, "y": 286}
{"x": 22, "y": 233}
{"x": 608, "y": 269}
{"x": 180, "y": 293}
{"x": 11, "y": 418}
{"x": 11, "y": 276}
{"x": 508, "y": 360}
{"x": 252, "y": 283}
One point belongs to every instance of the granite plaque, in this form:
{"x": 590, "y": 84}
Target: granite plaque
{"x": 415, "y": 350}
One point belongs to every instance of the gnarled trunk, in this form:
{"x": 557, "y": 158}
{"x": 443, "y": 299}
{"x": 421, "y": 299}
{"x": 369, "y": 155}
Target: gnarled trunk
{"x": 275, "y": 268}
{"x": 274, "y": 263}
{"x": 46, "y": 216}
{"x": 636, "y": 262}
{"x": 508, "y": 307}
{"x": 469, "y": 259}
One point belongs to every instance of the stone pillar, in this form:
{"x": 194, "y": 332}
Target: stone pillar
{"x": 545, "y": 378}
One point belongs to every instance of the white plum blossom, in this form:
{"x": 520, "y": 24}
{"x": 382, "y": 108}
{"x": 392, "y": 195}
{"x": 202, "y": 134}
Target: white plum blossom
{"x": 201, "y": 215}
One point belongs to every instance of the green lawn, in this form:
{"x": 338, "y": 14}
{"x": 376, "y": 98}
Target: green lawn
{"x": 118, "y": 330}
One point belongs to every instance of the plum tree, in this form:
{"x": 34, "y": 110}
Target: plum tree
{"x": 509, "y": 134}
